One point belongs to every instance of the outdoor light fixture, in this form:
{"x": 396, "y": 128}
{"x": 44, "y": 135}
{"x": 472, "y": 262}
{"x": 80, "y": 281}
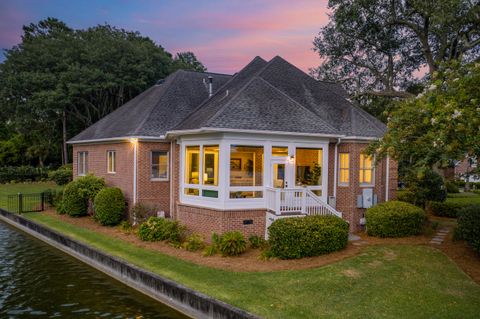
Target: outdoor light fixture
{"x": 291, "y": 159}
{"x": 134, "y": 140}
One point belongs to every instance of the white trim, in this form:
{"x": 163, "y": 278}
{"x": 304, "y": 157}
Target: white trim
{"x": 119, "y": 139}
{"x": 387, "y": 176}
{"x": 114, "y": 164}
{"x": 135, "y": 144}
{"x": 159, "y": 179}
{"x": 172, "y": 151}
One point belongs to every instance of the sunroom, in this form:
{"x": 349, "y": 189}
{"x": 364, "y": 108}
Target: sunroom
{"x": 228, "y": 171}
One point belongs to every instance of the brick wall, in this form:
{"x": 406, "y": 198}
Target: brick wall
{"x": 206, "y": 221}
{"x": 97, "y": 164}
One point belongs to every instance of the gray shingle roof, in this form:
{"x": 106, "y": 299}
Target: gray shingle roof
{"x": 265, "y": 96}
{"x": 156, "y": 110}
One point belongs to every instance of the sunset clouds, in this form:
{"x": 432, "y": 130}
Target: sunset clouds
{"x": 225, "y": 35}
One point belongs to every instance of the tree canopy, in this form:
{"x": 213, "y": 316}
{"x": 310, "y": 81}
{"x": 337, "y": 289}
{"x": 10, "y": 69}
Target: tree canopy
{"x": 59, "y": 80}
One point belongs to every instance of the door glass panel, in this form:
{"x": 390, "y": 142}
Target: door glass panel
{"x": 278, "y": 175}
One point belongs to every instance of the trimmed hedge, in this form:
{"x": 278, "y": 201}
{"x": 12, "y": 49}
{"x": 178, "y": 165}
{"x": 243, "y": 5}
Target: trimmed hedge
{"x": 156, "y": 229}
{"x": 445, "y": 209}
{"x": 109, "y": 206}
{"x": 79, "y": 192}
{"x": 394, "y": 219}
{"x": 298, "y": 237}
{"x": 469, "y": 226}
{"x": 451, "y": 187}
{"x": 9, "y": 174}
{"x": 61, "y": 176}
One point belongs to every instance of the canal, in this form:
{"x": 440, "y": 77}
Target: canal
{"x": 39, "y": 281}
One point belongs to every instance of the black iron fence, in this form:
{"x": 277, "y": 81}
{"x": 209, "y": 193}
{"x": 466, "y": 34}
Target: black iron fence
{"x": 24, "y": 203}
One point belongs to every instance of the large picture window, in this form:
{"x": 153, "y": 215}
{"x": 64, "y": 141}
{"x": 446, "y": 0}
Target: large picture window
{"x": 159, "y": 165}
{"x": 246, "y": 171}
{"x": 366, "y": 169}
{"x": 308, "y": 166}
{"x": 344, "y": 169}
{"x": 192, "y": 165}
{"x": 82, "y": 163}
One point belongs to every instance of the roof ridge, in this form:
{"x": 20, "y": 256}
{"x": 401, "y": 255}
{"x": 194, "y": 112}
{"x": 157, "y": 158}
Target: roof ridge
{"x": 203, "y": 72}
{"x": 166, "y": 85}
{"x": 291, "y": 99}
{"x": 232, "y": 77}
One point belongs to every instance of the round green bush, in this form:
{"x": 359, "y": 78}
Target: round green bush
{"x": 79, "y": 192}
{"x": 61, "y": 176}
{"x": 109, "y": 206}
{"x": 232, "y": 243}
{"x": 299, "y": 237}
{"x": 156, "y": 229}
{"x": 394, "y": 219}
{"x": 451, "y": 187}
{"x": 469, "y": 226}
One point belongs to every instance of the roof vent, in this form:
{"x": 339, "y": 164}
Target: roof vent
{"x": 210, "y": 86}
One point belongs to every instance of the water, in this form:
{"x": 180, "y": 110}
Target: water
{"x": 39, "y": 281}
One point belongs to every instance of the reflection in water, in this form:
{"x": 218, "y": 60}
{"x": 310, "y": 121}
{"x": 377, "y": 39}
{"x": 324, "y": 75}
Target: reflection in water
{"x": 38, "y": 281}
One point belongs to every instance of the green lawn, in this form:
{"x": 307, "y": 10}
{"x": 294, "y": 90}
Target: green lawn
{"x": 394, "y": 281}
{"x": 25, "y": 188}
{"x": 464, "y": 198}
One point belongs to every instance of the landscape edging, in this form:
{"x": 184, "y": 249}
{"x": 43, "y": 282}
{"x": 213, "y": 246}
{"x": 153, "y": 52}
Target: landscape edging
{"x": 179, "y": 297}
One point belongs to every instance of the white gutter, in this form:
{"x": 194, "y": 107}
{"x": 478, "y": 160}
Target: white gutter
{"x": 119, "y": 139}
{"x": 135, "y": 144}
{"x": 387, "y": 177}
{"x": 335, "y": 167}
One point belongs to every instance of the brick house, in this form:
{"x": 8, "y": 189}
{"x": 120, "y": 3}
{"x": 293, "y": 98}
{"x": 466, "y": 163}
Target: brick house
{"x": 220, "y": 152}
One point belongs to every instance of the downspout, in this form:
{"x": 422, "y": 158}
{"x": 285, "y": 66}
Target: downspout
{"x": 387, "y": 178}
{"x": 134, "y": 141}
{"x": 335, "y": 172}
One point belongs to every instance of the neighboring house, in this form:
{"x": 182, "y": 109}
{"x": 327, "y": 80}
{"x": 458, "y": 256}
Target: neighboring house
{"x": 467, "y": 169}
{"x": 220, "y": 152}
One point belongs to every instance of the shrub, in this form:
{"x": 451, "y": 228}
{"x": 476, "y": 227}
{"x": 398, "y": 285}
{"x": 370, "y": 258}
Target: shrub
{"x": 194, "y": 242}
{"x": 307, "y": 236}
{"x": 78, "y": 193}
{"x": 406, "y": 196}
{"x": 257, "y": 242}
{"x": 57, "y": 202}
{"x": 394, "y": 219}
{"x": 156, "y": 229}
{"x": 61, "y": 176}
{"x": 140, "y": 212}
{"x": 126, "y": 227}
{"x": 109, "y": 206}
{"x": 213, "y": 248}
{"x": 460, "y": 183}
{"x": 22, "y": 174}
{"x": 445, "y": 209}
{"x": 425, "y": 186}
{"x": 451, "y": 187}
{"x": 232, "y": 243}
{"x": 469, "y": 226}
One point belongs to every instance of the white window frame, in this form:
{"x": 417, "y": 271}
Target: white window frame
{"x": 112, "y": 155}
{"x": 82, "y": 156}
{"x": 372, "y": 183}
{"x": 340, "y": 168}
{"x": 159, "y": 179}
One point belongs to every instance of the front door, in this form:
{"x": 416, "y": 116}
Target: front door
{"x": 281, "y": 173}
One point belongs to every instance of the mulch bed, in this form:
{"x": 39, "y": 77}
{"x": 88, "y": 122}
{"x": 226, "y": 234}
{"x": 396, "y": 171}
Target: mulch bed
{"x": 250, "y": 261}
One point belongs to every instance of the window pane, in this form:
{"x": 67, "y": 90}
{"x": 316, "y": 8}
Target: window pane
{"x": 111, "y": 161}
{"x": 366, "y": 169}
{"x": 246, "y": 165}
{"x": 191, "y": 191}
{"x": 308, "y": 166}
{"x": 160, "y": 165}
{"x": 192, "y": 165}
{"x": 209, "y": 193}
{"x": 239, "y": 195}
{"x": 279, "y": 151}
{"x": 210, "y": 165}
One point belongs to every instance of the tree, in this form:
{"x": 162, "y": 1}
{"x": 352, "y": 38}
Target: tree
{"x": 188, "y": 61}
{"x": 374, "y": 46}
{"x": 440, "y": 124}
{"x": 58, "y": 80}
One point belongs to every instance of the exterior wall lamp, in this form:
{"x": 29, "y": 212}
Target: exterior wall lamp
{"x": 291, "y": 159}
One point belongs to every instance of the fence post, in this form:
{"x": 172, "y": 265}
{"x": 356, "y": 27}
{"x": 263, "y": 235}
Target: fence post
{"x": 20, "y": 203}
{"x": 42, "y": 199}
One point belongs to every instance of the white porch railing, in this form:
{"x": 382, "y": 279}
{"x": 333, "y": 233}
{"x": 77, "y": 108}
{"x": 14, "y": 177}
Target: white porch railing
{"x": 297, "y": 200}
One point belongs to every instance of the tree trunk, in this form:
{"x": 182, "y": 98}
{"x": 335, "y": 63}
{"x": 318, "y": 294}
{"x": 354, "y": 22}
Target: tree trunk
{"x": 64, "y": 136}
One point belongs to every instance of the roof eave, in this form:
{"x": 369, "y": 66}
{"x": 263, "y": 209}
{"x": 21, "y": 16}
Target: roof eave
{"x": 119, "y": 139}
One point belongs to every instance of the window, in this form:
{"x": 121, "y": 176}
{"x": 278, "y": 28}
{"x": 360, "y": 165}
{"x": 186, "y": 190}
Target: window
{"x": 246, "y": 171}
{"x": 210, "y": 165}
{"x": 111, "y": 162}
{"x": 308, "y": 166}
{"x": 344, "y": 169}
{"x": 201, "y": 171}
{"x": 366, "y": 169}
{"x": 159, "y": 165}
{"x": 279, "y": 151}
{"x": 82, "y": 163}
{"x": 192, "y": 165}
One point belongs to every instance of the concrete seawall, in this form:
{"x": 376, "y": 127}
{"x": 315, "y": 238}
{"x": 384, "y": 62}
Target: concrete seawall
{"x": 183, "y": 299}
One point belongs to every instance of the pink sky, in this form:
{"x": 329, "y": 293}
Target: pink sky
{"x": 225, "y": 35}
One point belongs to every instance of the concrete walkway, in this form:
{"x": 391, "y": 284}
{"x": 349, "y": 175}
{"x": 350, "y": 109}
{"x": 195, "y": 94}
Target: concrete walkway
{"x": 440, "y": 236}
